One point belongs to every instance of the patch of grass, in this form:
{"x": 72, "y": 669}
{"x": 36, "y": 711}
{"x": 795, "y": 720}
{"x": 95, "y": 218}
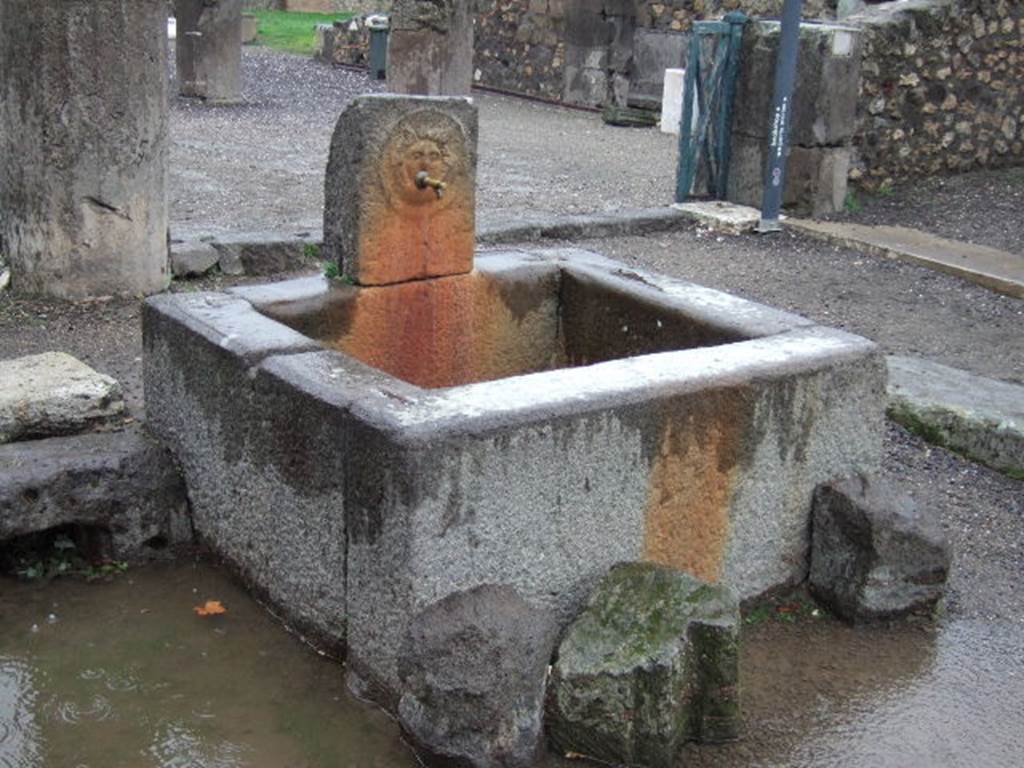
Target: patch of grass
{"x": 293, "y": 32}
{"x": 331, "y": 270}
{"x": 311, "y": 251}
{"x": 852, "y": 203}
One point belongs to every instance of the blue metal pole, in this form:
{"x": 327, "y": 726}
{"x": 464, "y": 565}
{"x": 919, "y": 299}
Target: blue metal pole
{"x": 782, "y": 110}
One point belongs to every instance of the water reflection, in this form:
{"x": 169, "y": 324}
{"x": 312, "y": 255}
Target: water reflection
{"x": 130, "y": 677}
{"x": 19, "y": 732}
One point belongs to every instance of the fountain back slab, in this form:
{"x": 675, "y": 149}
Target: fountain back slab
{"x": 383, "y": 222}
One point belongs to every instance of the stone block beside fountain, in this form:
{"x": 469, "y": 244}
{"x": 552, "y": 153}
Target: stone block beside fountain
{"x": 363, "y": 449}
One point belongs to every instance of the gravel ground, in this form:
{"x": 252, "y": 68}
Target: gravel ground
{"x": 260, "y": 166}
{"x": 984, "y": 207}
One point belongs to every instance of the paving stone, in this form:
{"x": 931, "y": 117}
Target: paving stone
{"x": 722, "y": 216}
{"x": 121, "y": 482}
{"x": 54, "y": 394}
{"x": 978, "y": 417}
{"x": 193, "y": 259}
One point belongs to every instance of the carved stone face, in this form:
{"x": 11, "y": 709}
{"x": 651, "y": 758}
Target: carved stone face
{"x": 424, "y": 155}
{"x": 427, "y": 143}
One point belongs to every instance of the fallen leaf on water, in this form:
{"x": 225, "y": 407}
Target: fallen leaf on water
{"x": 210, "y": 608}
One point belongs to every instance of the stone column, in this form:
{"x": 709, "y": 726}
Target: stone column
{"x": 83, "y": 146}
{"x": 208, "y": 49}
{"x": 430, "y": 48}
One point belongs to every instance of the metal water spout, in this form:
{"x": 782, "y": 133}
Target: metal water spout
{"x": 424, "y": 180}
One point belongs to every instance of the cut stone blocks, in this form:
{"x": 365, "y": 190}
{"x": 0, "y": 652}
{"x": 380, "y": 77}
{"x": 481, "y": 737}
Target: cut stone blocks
{"x": 650, "y": 663}
{"x": 54, "y": 394}
{"x": 824, "y": 107}
{"x": 474, "y": 670}
{"x": 816, "y": 177}
{"x": 689, "y": 428}
{"x": 874, "y": 554}
{"x": 380, "y": 224}
{"x": 120, "y": 482}
{"x": 192, "y": 259}
{"x": 826, "y": 91}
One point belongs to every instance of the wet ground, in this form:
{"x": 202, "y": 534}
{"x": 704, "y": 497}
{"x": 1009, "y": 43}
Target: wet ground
{"x": 125, "y": 675}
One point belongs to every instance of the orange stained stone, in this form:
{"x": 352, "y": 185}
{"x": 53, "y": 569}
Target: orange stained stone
{"x": 446, "y": 332}
{"x": 691, "y": 487}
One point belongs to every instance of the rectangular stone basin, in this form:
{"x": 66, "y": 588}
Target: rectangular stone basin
{"x": 360, "y": 455}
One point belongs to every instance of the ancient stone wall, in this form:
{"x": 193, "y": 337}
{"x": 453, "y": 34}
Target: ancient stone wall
{"x": 521, "y": 45}
{"x": 942, "y": 88}
{"x": 942, "y": 80}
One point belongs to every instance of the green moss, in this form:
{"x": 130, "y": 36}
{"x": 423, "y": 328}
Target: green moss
{"x": 911, "y": 422}
{"x": 852, "y": 203}
{"x": 937, "y": 436}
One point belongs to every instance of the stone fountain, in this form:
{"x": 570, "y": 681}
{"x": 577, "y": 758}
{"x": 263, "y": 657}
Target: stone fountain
{"x": 362, "y": 449}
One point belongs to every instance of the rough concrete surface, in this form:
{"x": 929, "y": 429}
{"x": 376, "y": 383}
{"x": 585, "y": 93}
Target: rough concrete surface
{"x": 978, "y": 417}
{"x": 54, "y": 394}
{"x": 122, "y": 482}
{"x": 650, "y": 662}
{"x": 262, "y": 466}
{"x": 874, "y": 554}
{"x": 83, "y": 156}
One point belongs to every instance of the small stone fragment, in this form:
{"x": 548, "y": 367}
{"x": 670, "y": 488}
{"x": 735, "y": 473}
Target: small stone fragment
{"x": 650, "y": 663}
{"x": 474, "y": 668}
{"x": 874, "y": 554}
{"x": 192, "y": 259}
{"x": 54, "y": 394}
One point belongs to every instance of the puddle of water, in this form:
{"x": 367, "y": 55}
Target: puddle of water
{"x": 825, "y": 695}
{"x": 124, "y": 674}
